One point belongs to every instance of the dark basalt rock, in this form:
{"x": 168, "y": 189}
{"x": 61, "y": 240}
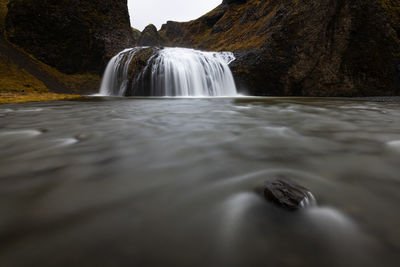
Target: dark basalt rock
{"x": 303, "y": 48}
{"x": 286, "y": 194}
{"x": 150, "y": 37}
{"x": 139, "y": 81}
{"x": 73, "y": 36}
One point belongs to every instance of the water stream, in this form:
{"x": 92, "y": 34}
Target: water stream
{"x": 170, "y": 72}
{"x": 170, "y": 182}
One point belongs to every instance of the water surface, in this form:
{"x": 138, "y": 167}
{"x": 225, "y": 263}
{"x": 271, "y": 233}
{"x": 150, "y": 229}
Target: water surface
{"x": 170, "y": 182}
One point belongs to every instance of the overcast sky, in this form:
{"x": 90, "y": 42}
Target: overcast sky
{"x": 157, "y": 12}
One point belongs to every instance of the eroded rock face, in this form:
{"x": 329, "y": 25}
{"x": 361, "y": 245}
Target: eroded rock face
{"x": 73, "y": 36}
{"x": 139, "y": 81}
{"x": 302, "y": 47}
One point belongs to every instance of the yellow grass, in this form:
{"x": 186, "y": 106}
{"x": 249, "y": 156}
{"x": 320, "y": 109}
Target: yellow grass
{"x": 21, "y": 97}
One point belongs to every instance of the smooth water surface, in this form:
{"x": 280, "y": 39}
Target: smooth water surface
{"x": 170, "y": 182}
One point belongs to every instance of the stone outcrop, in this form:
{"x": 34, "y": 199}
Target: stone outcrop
{"x": 139, "y": 85}
{"x": 302, "y": 47}
{"x": 287, "y": 194}
{"x": 136, "y": 35}
{"x": 150, "y": 37}
{"x": 73, "y": 36}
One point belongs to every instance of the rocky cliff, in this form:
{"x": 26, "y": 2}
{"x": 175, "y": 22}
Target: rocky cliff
{"x": 73, "y": 36}
{"x": 302, "y": 47}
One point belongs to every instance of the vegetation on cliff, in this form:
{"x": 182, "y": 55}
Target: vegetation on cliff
{"x": 302, "y": 47}
{"x": 50, "y": 48}
{"x": 283, "y": 47}
{"x": 16, "y": 83}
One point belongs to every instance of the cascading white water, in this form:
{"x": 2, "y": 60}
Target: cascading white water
{"x": 115, "y": 78}
{"x": 171, "y": 72}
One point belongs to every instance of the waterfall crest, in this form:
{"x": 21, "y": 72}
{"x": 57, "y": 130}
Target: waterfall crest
{"x": 169, "y": 72}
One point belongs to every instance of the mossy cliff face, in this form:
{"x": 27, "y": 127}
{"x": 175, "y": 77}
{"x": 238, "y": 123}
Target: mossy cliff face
{"x": 302, "y": 47}
{"x": 74, "y": 36}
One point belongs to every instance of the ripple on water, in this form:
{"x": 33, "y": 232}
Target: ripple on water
{"x": 395, "y": 145}
{"x": 7, "y": 110}
{"x": 330, "y": 218}
{"x": 280, "y": 131}
{"x": 29, "y": 110}
{"x": 21, "y": 133}
{"x": 67, "y": 141}
{"x": 234, "y": 210}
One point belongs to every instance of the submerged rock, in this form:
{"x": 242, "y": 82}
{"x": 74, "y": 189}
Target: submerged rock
{"x": 287, "y": 194}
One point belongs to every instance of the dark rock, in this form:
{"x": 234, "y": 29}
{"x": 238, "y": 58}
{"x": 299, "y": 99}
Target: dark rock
{"x": 43, "y": 130}
{"x": 136, "y": 35}
{"x": 150, "y": 37}
{"x": 234, "y": 1}
{"x": 303, "y": 48}
{"x": 73, "y": 36}
{"x": 140, "y": 81}
{"x": 286, "y": 194}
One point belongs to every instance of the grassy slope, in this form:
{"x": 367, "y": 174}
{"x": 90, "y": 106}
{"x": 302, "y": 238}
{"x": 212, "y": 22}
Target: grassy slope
{"x": 236, "y": 31}
{"x": 17, "y": 84}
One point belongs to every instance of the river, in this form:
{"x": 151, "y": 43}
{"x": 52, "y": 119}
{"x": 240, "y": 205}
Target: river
{"x": 171, "y": 182}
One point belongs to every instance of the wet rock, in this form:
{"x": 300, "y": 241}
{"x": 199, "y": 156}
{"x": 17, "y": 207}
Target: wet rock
{"x": 43, "y": 130}
{"x": 287, "y": 194}
{"x": 139, "y": 83}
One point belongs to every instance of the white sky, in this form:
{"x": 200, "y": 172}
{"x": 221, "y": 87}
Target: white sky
{"x": 157, "y": 12}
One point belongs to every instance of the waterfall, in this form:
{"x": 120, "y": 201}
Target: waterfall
{"x": 115, "y": 78}
{"x": 144, "y": 71}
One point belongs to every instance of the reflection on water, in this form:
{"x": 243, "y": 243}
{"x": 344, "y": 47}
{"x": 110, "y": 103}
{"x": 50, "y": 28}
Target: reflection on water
{"x": 170, "y": 182}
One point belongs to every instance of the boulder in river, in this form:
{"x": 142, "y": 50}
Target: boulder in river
{"x": 287, "y": 194}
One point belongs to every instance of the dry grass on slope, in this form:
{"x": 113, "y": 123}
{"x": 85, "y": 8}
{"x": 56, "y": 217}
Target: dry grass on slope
{"x": 17, "y": 84}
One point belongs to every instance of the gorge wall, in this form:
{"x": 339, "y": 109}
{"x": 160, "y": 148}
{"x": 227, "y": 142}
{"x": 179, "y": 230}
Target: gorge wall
{"x": 73, "y": 36}
{"x": 283, "y": 47}
{"x": 302, "y": 47}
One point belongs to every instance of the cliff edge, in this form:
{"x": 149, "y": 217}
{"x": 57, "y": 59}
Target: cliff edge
{"x": 73, "y": 36}
{"x": 302, "y": 47}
